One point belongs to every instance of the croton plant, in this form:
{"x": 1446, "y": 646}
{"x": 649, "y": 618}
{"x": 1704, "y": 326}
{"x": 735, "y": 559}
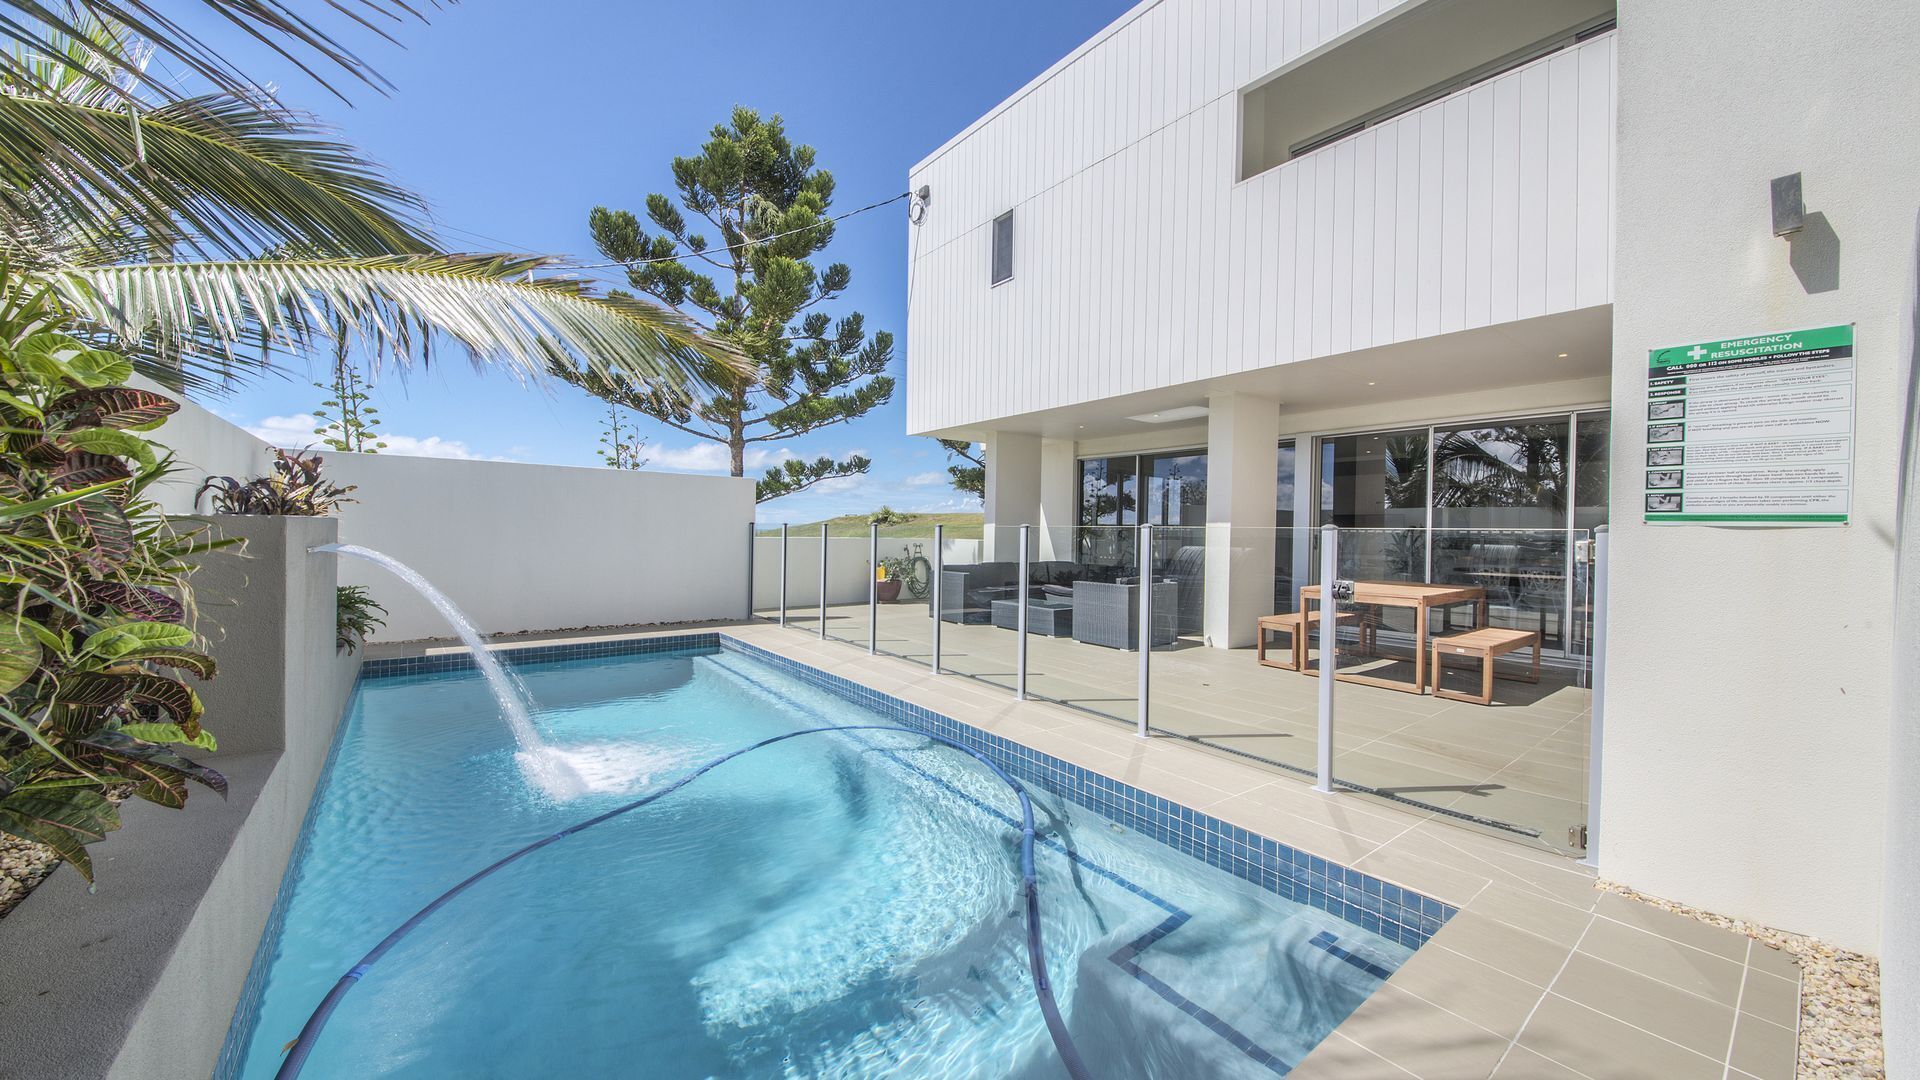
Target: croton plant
{"x": 95, "y": 650}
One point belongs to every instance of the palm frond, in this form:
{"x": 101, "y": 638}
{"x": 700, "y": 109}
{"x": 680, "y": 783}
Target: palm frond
{"x": 403, "y": 307}
{"x": 276, "y": 24}
{"x": 213, "y": 172}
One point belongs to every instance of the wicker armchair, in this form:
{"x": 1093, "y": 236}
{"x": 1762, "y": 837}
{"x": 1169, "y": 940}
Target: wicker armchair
{"x": 1109, "y": 614}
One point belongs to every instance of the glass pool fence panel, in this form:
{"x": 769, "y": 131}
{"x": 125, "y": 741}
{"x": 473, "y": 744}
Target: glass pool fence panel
{"x": 1209, "y": 682}
{"x": 1076, "y": 592}
{"x": 766, "y": 572}
{"x": 803, "y": 578}
{"x": 850, "y": 575}
{"x": 979, "y": 604}
{"x": 1512, "y": 760}
{"x": 905, "y": 609}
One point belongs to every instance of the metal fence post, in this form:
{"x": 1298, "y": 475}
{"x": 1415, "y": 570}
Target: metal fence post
{"x": 1144, "y": 557}
{"x": 1597, "y": 723}
{"x": 753, "y": 550}
{"x": 823, "y": 580}
{"x": 933, "y": 592}
{"x": 873, "y": 589}
{"x": 1020, "y": 650}
{"x": 783, "y": 573}
{"x": 1329, "y": 650}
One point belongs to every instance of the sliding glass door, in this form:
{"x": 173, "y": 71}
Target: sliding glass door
{"x": 1486, "y": 503}
{"x": 1167, "y": 490}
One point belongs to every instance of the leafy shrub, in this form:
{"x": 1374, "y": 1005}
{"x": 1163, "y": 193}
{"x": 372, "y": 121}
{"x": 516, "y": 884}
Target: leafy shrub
{"x": 354, "y": 617}
{"x": 294, "y": 489}
{"x": 887, "y": 515}
{"x": 93, "y": 580}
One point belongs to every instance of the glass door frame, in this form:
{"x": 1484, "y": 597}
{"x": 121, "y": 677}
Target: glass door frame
{"x": 1571, "y": 414}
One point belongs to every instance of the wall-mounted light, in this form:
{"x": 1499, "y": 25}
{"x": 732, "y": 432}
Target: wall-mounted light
{"x": 1789, "y": 210}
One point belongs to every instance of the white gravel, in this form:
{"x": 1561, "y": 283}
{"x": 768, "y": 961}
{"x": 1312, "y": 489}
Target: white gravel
{"x": 23, "y": 865}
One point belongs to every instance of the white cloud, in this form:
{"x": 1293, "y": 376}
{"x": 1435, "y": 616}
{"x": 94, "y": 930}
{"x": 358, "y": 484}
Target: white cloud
{"x": 297, "y": 431}
{"x": 927, "y": 479}
{"x": 710, "y": 457}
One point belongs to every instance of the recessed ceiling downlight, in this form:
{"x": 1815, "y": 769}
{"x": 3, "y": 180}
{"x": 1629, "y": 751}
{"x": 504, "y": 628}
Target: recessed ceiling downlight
{"x": 1168, "y": 416}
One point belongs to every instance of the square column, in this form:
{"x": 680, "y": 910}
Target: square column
{"x": 1059, "y": 499}
{"x": 1243, "y": 440}
{"x": 1013, "y": 489}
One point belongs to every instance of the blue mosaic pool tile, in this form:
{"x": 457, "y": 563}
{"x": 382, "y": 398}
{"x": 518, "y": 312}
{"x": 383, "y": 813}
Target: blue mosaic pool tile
{"x": 391, "y": 666}
{"x": 1393, "y": 912}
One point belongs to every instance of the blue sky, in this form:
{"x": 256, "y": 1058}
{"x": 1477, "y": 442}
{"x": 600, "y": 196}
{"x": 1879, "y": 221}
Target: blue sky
{"x": 515, "y": 119}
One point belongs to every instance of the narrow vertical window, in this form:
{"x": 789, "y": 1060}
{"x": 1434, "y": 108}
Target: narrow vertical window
{"x": 1002, "y": 247}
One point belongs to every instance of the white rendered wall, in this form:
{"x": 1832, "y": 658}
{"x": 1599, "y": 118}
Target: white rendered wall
{"x": 1140, "y": 263}
{"x": 517, "y": 547}
{"x": 847, "y": 568}
{"x": 1749, "y": 670}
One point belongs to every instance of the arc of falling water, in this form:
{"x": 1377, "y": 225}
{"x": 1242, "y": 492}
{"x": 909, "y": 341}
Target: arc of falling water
{"x": 544, "y": 768}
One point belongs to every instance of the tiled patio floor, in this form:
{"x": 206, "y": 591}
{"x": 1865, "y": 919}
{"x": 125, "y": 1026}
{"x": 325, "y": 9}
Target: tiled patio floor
{"x": 1539, "y": 976}
{"x": 1520, "y": 764}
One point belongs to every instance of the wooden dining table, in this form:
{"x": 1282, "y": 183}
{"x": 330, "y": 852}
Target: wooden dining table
{"x": 1422, "y": 598}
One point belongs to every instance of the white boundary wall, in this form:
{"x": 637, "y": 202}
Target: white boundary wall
{"x": 847, "y": 567}
{"x": 518, "y": 547}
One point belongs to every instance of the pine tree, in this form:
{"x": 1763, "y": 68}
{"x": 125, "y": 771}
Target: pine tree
{"x": 970, "y": 477}
{"x": 757, "y": 291}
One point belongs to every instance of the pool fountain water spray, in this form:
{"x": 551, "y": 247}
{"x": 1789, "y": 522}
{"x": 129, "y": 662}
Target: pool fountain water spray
{"x": 540, "y": 763}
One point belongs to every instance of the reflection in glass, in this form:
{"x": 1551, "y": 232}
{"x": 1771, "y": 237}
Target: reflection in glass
{"x": 1107, "y": 491}
{"x": 1590, "y": 469}
{"x": 1377, "y": 484}
{"x": 1283, "y": 521}
{"x": 1500, "y": 495}
{"x": 1176, "y": 488}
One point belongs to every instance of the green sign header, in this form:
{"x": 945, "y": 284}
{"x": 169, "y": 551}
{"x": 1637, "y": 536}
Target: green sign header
{"x": 1824, "y": 342}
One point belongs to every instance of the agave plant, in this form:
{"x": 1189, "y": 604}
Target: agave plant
{"x": 93, "y": 580}
{"x": 295, "y": 488}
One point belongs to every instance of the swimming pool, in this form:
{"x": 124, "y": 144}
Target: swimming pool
{"x": 844, "y": 904}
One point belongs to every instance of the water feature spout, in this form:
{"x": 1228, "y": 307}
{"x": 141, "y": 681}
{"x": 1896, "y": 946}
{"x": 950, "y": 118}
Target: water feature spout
{"x": 543, "y": 768}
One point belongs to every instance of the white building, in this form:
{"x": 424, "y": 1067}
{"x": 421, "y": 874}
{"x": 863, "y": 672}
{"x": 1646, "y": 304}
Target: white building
{"x": 1321, "y": 254}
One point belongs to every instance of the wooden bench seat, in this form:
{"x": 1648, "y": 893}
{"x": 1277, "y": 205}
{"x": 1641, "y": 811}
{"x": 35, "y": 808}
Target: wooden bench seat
{"x": 1289, "y": 624}
{"x": 1486, "y": 645}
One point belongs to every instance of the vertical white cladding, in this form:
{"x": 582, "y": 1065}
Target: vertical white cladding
{"x": 1140, "y": 262}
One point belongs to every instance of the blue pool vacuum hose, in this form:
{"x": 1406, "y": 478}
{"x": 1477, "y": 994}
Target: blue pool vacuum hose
{"x": 296, "y": 1059}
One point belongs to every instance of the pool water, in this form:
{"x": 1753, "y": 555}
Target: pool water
{"x": 835, "y": 905}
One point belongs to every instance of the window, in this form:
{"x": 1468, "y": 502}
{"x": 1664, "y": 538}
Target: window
{"x": 1002, "y": 247}
{"x": 1398, "y": 63}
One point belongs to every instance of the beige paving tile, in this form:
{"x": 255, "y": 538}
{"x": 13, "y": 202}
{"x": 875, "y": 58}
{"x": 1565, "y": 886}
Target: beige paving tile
{"x": 1674, "y": 927}
{"x": 1484, "y": 995}
{"x": 1604, "y": 1048}
{"x": 1340, "y": 1058}
{"x": 1694, "y": 970}
{"x": 1315, "y": 838}
{"x": 1770, "y": 998}
{"x": 1524, "y": 1064}
{"x": 1694, "y": 1022}
{"x": 1531, "y": 911}
{"x": 1502, "y": 859}
{"x": 1440, "y": 880}
{"x": 1774, "y": 962}
{"x": 1763, "y": 1050}
{"x": 1422, "y": 1037}
{"x": 1525, "y": 956}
